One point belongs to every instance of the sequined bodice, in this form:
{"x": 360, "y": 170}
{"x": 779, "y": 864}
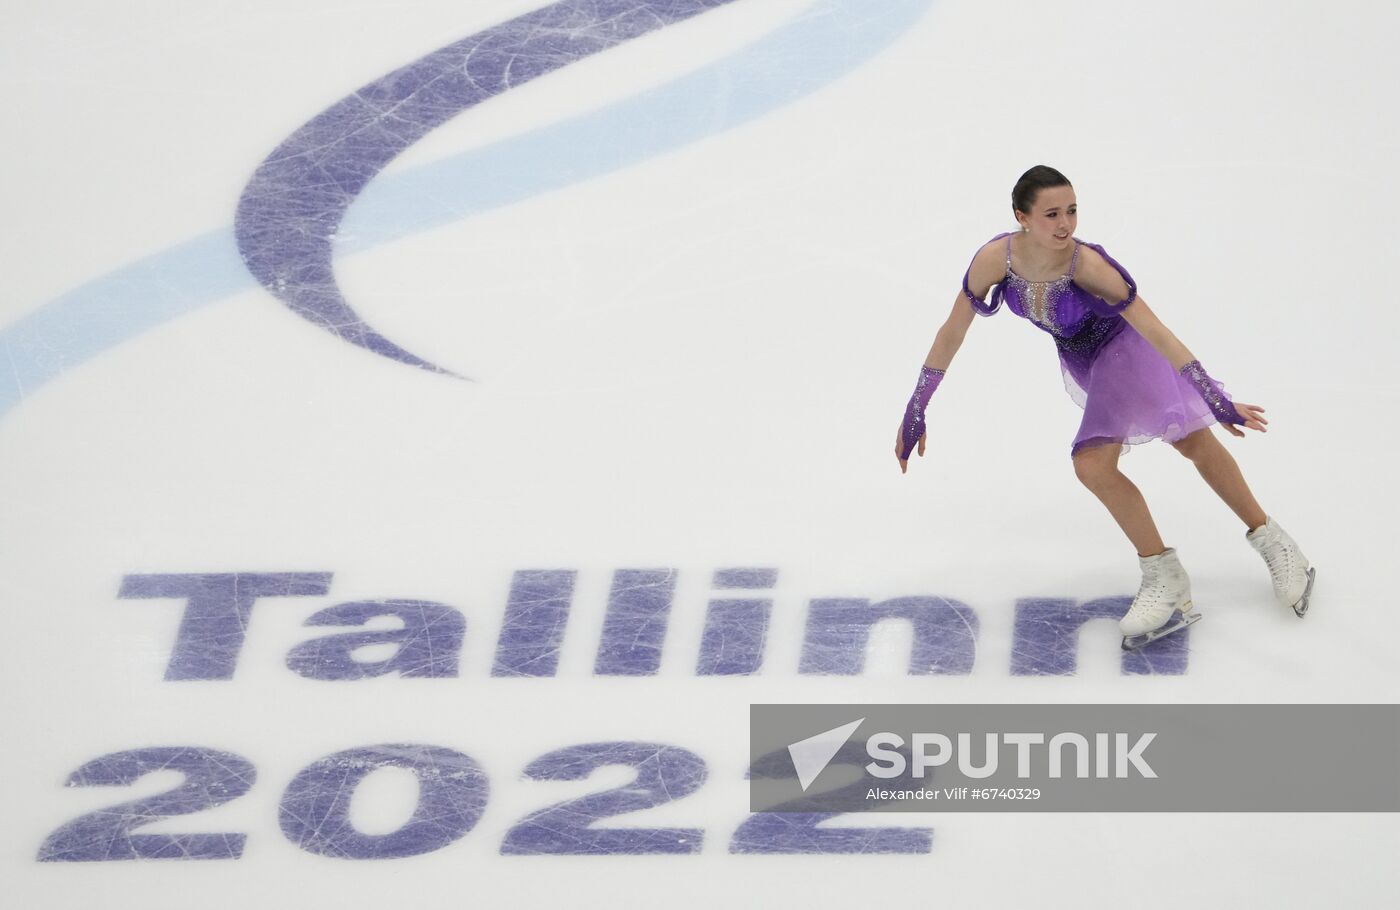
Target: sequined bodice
{"x": 1081, "y": 323}
{"x": 1059, "y": 307}
{"x": 1037, "y": 301}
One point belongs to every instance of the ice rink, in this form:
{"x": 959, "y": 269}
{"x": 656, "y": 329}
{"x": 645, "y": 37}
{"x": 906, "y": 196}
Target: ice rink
{"x": 410, "y": 410}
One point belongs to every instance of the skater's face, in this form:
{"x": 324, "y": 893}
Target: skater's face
{"x": 1053, "y": 217}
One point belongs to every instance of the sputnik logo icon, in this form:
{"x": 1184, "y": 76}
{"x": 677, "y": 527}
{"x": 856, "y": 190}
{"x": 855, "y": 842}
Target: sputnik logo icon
{"x": 810, "y": 756}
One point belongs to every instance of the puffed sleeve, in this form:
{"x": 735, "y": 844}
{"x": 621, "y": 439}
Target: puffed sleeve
{"x": 997, "y": 293}
{"x": 1098, "y": 304}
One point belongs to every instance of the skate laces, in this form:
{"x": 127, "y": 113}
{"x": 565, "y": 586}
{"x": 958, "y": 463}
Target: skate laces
{"x": 1278, "y": 557}
{"x": 1150, "y": 593}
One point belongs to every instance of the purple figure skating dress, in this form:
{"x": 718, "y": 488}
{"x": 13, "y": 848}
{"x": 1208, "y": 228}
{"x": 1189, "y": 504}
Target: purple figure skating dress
{"x": 1129, "y": 392}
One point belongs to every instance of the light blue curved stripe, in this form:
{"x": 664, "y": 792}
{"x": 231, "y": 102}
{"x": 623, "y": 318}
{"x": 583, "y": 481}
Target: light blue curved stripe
{"x": 823, "y": 42}
{"x": 826, "y": 40}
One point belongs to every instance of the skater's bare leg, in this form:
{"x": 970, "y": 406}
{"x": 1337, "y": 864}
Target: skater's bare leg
{"x": 1222, "y": 473}
{"x": 1097, "y": 469}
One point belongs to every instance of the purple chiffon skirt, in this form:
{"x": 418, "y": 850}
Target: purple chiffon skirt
{"x": 1131, "y": 395}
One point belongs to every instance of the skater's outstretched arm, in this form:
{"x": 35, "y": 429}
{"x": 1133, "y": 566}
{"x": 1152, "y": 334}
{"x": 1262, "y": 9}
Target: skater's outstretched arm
{"x": 1099, "y": 278}
{"x": 988, "y": 267}
{"x": 950, "y": 335}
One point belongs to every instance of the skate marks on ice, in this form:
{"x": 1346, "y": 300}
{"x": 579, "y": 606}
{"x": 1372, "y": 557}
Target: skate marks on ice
{"x": 290, "y": 211}
{"x": 216, "y": 622}
{"x": 216, "y": 616}
{"x": 216, "y": 612}
{"x": 450, "y": 795}
{"x": 1046, "y": 639}
{"x": 824, "y": 42}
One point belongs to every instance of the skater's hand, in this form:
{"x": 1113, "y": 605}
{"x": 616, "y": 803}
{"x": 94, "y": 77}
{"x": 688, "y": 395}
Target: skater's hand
{"x": 899, "y": 447}
{"x": 1253, "y": 418}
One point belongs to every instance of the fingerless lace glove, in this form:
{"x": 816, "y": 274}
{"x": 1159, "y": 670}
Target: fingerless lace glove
{"x": 1215, "y": 398}
{"x": 914, "y": 412}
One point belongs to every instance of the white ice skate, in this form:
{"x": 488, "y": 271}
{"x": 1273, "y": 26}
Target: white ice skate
{"x": 1288, "y": 567}
{"x": 1162, "y": 605}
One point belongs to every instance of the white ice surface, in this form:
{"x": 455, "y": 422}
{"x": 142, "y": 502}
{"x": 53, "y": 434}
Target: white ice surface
{"x": 696, "y": 362}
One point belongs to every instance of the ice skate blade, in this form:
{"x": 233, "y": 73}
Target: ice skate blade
{"x": 1301, "y": 607}
{"x": 1137, "y": 642}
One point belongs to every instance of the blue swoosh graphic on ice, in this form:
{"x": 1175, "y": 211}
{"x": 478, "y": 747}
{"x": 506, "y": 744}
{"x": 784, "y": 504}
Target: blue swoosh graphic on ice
{"x": 289, "y": 214}
{"x": 829, "y": 39}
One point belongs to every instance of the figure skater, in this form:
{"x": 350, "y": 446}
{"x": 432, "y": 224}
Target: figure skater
{"x": 1135, "y": 381}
